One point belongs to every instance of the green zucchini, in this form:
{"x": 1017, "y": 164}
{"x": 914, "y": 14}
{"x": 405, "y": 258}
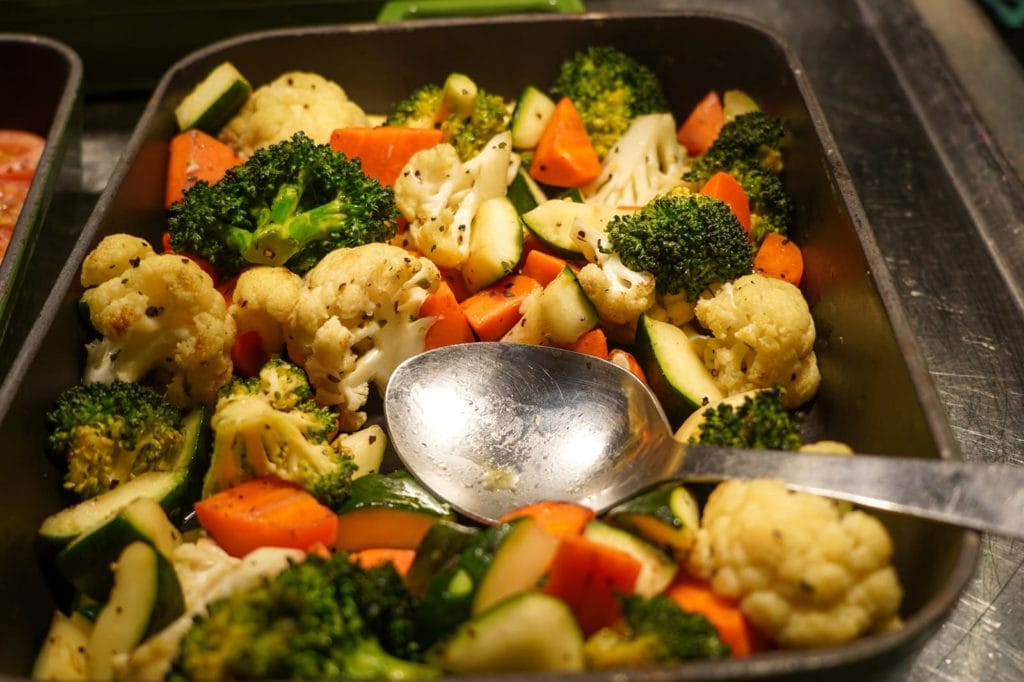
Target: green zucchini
{"x": 736, "y": 103}
{"x": 657, "y": 569}
{"x": 524, "y": 192}
{"x": 86, "y": 561}
{"x": 529, "y": 117}
{"x": 554, "y": 223}
{"x": 518, "y": 564}
{"x": 63, "y": 655}
{"x": 216, "y": 99}
{"x": 387, "y": 510}
{"x": 572, "y": 194}
{"x": 675, "y": 370}
{"x": 145, "y": 598}
{"x": 567, "y": 312}
{"x": 175, "y": 490}
{"x": 495, "y": 244}
{"x": 666, "y": 516}
{"x": 439, "y": 547}
{"x": 530, "y": 632}
{"x": 368, "y": 446}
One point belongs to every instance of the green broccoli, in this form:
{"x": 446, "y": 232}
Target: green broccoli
{"x": 760, "y": 422}
{"x": 271, "y": 425}
{"x": 655, "y": 631}
{"x": 771, "y": 209}
{"x": 686, "y": 241}
{"x": 467, "y": 116}
{"x": 290, "y": 204}
{"x": 319, "y": 619}
{"x": 609, "y": 89}
{"x": 108, "y": 433}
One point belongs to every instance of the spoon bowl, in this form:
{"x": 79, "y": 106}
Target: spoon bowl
{"x": 490, "y": 427}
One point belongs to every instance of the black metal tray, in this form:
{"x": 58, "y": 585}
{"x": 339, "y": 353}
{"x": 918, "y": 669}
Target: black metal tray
{"x": 876, "y": 393}
{"x": 42, "y": 79}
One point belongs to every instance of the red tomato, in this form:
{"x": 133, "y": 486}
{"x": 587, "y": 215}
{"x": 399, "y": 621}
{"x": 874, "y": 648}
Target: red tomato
{"x": 19, "y": 154}
{"x": 12, "y": 197}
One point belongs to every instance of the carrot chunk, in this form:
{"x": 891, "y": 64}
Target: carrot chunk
{"x": 779, "y": 257}
{"x": 493, "y": 311}
{"x": 384, "y": 150}
{"x": 195, "y": 156}
{"x": 565, "y": 156}
{"x": 703, "y": 124}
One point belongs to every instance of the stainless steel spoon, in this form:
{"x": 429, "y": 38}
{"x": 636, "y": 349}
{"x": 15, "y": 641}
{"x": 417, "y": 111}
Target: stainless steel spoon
{"x": 489, "y": 427}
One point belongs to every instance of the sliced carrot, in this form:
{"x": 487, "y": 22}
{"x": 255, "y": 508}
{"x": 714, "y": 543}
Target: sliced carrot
{"x": 266, "y": 512}
{"x": 384, "y": 150}
{"x": 724, "y": 187}
{"x": 195, "y": 156}
{"x": 401, "y": 559}
{"x": 593, "y": 343}
{"x": 588, "y": 577}
{"x": 780, "y": 258}
{"x": 493, "y": 311}
{"x": 733, "y": 627}
{"x": 703, "y": 124}
{"x": 557, "y": 518}
{"x": 543, "y": 267}
{"x": 247, "y": 354}
{"x": 626, "y": 360}
{"x": 565, "y": 157}
{"x": 450, "y": 325}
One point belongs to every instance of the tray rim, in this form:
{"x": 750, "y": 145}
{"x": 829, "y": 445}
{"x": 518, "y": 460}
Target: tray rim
{"x": 789, "y": 662}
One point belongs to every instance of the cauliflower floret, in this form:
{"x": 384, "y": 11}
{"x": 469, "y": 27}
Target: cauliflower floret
{"x": 206, "y": 573}
{"x": 763, "y": 336}
{"x": 805, "y": 572}
{"x": 439, "y": 195}
{"x": 619, "y": 294}
{"x": 161, "y": 314}
{"x": 294, "y": 101}
{"x": 675, "y": 309}
{"x": 646, "y": 161}
{"x": 262, "y": 302}
{"x": 356, "y": 319}
{"x": 112, "y": 256}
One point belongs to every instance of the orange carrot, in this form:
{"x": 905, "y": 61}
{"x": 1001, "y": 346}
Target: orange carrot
{"x": 588, "y": 576}
{"x": 247, "y": 354}
{"x": 205, "y": 265}
{"x": 626, "y": 360}
{"x": 450, "y": 325}
{"x": 593, "y": 343}
{"x": 565, "y": 157}
{"x": 780, "y": 258}
{"x": 401, "y": 559}
{"x": 543, "y": 267}
{"x": 493, "y": 311}
{"x": 724, "y": 187}
{"x": 733, "y": 627}
{"x": 703, "y": 124}
{"x": 195, "y": 156}
{"x": 384, "y": 150}
{"x": 266, "y": 512}
{"x": 557, "y": 518}
{"x": 455, "y": 282}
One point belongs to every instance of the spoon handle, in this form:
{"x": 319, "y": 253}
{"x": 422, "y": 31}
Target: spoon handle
{"x": 985, "y": 497}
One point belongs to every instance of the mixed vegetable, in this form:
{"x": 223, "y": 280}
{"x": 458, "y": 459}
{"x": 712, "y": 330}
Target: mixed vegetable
{"x": 235, "y": 514}
{"x": 19, "y": 155}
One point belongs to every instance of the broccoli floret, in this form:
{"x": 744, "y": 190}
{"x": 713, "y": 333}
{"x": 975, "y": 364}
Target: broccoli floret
{"x": 770, "y": 205}
{"x": 289, "y": 204}
{"x": 759, "y": 422}
{"x": 109, "y": 433}
{"x": 271, "y": 425}
{"x": 686, "y": 241}
{"x": 609, "y": 89}
{"x": 319, "y": 619}
{"x": 655, "y": 631}
{"x": 751, "y": 138}
{"x": 467, "y": 116}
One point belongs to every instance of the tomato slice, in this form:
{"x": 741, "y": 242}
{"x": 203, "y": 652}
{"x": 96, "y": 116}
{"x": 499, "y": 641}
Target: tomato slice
{"x": 19, "y": 154}
{"x": 12, "y": 197}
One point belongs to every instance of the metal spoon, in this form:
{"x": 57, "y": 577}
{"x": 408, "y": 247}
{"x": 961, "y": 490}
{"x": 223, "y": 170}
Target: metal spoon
{"x": 489, "y": 427}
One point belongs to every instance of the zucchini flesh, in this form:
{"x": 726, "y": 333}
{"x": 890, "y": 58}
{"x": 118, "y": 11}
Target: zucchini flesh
{"x": 387, "y": 510}
{"x": 675, "y": 370}
{"x": 63, "y": 654}
{"x": 214, "y": 100}
{"x": 656, "y": 568}
{"x": 553, "y": 223}
{"x": 524, "y": 192}
{"x": 566, "y": 310}
{"x": 518, "y": 564}
{"x": 529, "y": 117}
{"x": 495, "y": 244}
{"x": 666, "y": 516}
{"x": 368, "y": 446}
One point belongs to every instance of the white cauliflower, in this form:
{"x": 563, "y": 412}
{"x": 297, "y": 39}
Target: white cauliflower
{"x": 619, "y": 294}
{"x": 206, "y": 573}
{"x": 762, "y": 336}
{"x": 805, "y": 571}
{"x": 294, "y": 101}
{"x": 161, "y": 314}
{"x": 675, "y": 309}
{"x": 262, "y": 302}
{"x": 356, "y": 319}
{"x": 439, "y": 195}
{"x": 645, "y": 162}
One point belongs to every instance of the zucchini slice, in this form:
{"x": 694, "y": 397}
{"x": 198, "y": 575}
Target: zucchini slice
{"x": 657, "y": 569}
{"x": 566, "y": 310}
{"x": 387, "y": 510}
{"x": 666, "y": 516}
{"x": 439, "y": 548}
{"x": 530, "y": 632}
{"x": 214, "y": 100}
{"x": 63, "y": 655}
{"x": 368, "y": 446}
{"x": 495, "y": 244}
{"x": 553, "y": 223}
{"x": 524, "y": 192}
{"x": 530, "y": 117}
{"x": 517, "y": 565}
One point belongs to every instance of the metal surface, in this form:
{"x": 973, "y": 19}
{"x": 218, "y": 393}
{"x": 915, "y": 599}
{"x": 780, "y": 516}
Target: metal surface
{"x": 519, "y": 424}
{"x": 934, "y": 187}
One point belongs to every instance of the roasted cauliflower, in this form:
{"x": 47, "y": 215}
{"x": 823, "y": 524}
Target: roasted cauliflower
{"x": 262, "y": 302}
{"x": 805, "y": 571}
{"x": 159, "y": 316}
{"x": 762, "y": 336}
{"x": 294, "y": 101}
{"x": 356, "y": 319}
{"x": 619, "y": 293}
